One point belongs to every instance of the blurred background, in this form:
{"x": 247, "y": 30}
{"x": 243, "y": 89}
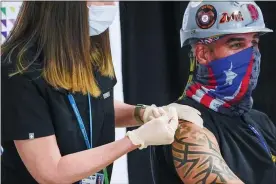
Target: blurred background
{"x": 151, "y": 68}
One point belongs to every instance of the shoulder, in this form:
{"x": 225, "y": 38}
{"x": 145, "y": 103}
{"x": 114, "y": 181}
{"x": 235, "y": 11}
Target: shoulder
{"x": 205, "y": 112}
{"x": 19, "y": 82}
{"x": 208, "y": 115}
{"x": 258, "y": 114}
{"x": 32, "y": 76}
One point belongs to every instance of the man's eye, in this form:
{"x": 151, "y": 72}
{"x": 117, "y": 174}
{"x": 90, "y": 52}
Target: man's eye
{"x": 236, "y": 46}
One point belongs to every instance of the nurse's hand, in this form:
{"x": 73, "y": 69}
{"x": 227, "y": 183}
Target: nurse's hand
{"x": 184, "y": 112}
{"x": 158, "y": 131}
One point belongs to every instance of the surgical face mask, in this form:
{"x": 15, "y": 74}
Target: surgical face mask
{"x": 100, "y": 18}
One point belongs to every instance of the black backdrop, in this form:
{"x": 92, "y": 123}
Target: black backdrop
{"x": 155, "y": 69}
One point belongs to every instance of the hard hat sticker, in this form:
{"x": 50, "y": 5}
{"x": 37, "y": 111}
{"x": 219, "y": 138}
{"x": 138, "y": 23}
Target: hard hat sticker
{"x": 235, "y": 16}
{"x": 253, "y": 12}
{"x": 206, "y": 16}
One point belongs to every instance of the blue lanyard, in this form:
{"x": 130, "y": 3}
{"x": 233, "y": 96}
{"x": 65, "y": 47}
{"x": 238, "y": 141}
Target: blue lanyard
{"x": 80, "y": 121}
{"x": 82, "y": 127}
{"x": 260, "y": 138}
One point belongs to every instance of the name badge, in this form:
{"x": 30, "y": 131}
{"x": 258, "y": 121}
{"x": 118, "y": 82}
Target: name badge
{"x": 98, "y": 178}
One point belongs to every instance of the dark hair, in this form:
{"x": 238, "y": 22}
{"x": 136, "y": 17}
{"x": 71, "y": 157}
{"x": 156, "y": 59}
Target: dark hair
{"x": 60, "y": 32}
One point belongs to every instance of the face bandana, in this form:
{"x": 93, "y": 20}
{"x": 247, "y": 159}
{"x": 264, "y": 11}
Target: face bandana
{"x": 100, "y": 18}
{"x": 225, "y": 85}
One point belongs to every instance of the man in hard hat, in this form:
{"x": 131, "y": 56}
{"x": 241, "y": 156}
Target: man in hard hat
{"x": 238, "y": 143}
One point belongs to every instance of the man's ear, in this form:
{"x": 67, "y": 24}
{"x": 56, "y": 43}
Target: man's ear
{"x": 203, "y": 54}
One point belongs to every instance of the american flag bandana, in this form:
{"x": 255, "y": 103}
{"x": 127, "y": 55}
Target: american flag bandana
{"x": 225, "y": 85}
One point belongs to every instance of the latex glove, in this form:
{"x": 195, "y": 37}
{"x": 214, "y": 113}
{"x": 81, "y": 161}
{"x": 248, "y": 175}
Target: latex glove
{"x": 184, "y": 112}
{"x": 158, "y": 131}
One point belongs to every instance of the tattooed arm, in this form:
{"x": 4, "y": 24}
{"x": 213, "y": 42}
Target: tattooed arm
{"x": 197, "y": 157}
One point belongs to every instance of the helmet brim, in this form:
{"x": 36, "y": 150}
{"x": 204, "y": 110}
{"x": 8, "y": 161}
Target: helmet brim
{"x": 209, "y": 33}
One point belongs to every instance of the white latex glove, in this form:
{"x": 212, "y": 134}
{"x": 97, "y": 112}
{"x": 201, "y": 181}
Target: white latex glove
{"x": 158, "y": 131}
{"x": 184, "y": 112}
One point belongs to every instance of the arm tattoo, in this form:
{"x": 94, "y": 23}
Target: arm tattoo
{"x": 197, "y": 158}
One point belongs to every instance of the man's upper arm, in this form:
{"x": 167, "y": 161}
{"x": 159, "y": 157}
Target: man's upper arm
{"x": 197, "y": 158}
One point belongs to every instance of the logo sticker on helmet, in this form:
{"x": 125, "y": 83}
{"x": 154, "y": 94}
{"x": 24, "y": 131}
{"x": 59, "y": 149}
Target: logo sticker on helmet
{"x": 235, "y": 16}
{"x": 253, "y": 12}
{"x": 206, "y": 16}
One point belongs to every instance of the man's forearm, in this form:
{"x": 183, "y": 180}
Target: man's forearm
{"x": 124, "y": 114}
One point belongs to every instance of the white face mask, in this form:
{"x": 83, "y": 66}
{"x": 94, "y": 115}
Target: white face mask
{"x": 100, "y": 18}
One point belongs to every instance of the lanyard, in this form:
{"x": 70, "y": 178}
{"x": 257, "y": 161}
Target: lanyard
{"x": 80, "y": 122}
{"x": 260, "y": 138}
{"x": 89, "y": 145}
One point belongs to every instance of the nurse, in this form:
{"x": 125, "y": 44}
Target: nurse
{"x": 58, "y": 111}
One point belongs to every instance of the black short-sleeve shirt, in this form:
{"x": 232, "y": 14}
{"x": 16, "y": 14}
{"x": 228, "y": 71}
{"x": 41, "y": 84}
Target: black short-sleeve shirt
{"x": 240, "y": 147}
{"x": 31, "y": 108}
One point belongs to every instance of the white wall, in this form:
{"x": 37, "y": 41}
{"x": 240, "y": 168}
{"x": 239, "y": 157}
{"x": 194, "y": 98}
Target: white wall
{"x": 120, "y": 175}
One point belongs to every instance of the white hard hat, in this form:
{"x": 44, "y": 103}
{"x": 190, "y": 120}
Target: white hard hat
{"x": 203, "y": 19}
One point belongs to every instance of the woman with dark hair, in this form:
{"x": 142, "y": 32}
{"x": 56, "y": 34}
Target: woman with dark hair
{"x": 58, "y": 112}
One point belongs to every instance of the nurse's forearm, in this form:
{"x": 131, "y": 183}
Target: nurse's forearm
{"x": 42, "y": 158}
{"x": 124, "y": 114}
{"x": 80, "y": 165}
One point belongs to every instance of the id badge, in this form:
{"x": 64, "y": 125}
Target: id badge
{"x": 98, "y": 178}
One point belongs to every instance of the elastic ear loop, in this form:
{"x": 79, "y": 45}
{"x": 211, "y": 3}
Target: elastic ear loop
{"x": 191, "y": 73}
